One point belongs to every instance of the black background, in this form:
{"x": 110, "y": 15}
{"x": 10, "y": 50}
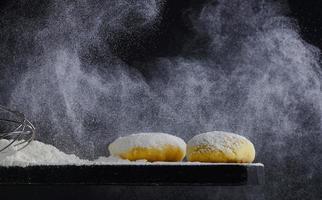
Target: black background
{"x": 162, "y": 41}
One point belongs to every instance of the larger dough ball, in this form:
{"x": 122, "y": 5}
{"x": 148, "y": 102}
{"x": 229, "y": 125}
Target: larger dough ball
{"x": 149, "y": 146}
{"x": 220, "y": 147}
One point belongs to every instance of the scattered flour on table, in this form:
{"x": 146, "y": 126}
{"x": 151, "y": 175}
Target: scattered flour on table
{"x": 38, "y": 153}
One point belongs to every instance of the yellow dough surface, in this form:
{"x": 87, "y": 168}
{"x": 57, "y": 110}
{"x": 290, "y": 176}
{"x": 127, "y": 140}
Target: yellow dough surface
{"x": 220, "y": 147}
{"x": 149, "y": 146}
{"x": 167, "y": 153}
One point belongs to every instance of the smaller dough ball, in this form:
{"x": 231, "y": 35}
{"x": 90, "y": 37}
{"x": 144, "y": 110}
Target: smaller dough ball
{"x": 149, "y": 146}
{"x": 220, "y": 147}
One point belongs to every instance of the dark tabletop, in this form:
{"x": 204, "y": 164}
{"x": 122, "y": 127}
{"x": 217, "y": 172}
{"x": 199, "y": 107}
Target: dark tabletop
{"x": 138, "y": 174}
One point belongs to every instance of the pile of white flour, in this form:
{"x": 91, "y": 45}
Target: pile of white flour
{"x": 38, "y": 153}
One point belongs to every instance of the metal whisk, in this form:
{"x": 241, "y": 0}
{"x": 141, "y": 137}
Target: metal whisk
{"x": 16, "y": 128}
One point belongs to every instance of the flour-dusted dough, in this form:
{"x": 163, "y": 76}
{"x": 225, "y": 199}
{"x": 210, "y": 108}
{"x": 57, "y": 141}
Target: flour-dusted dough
{"x": 220, "y": 147}
{"x": 149, "y": 146}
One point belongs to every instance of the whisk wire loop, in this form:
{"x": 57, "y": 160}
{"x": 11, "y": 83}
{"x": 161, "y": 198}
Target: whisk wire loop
{"x": 22, "y": 133}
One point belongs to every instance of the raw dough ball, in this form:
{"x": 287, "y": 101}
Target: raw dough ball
{"x": 149, "y": 146}
{"x": 220, "y": 147}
